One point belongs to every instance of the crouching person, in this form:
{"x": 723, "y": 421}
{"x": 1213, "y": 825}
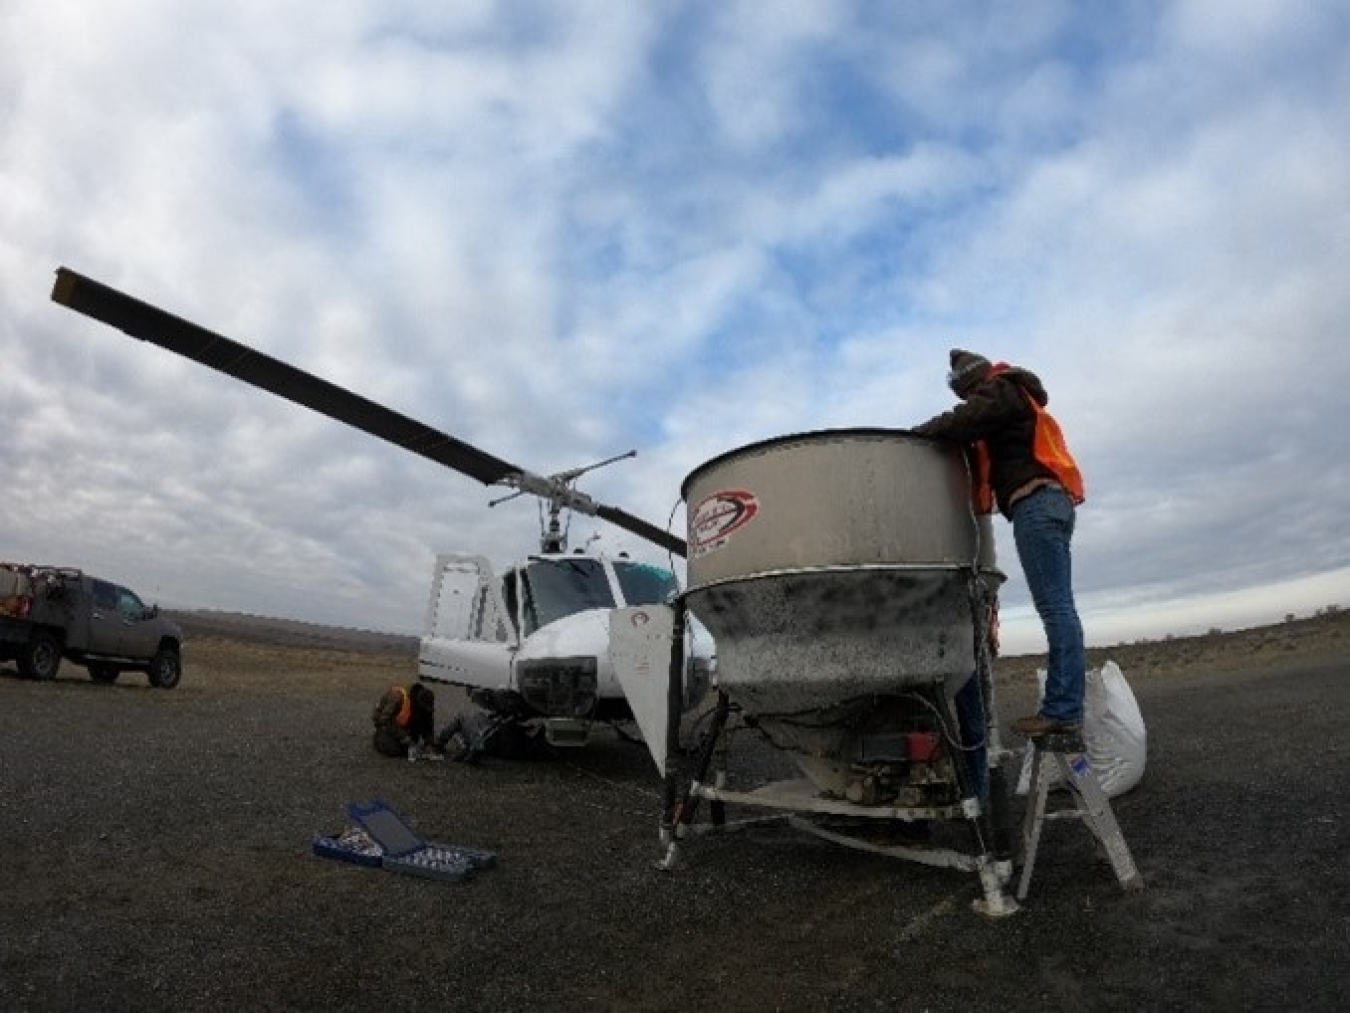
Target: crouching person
{"x": 405, "y": 721}
{"x": 473, "y": 733}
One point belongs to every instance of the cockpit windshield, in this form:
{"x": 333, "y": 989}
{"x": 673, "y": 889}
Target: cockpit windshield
{"x": 644, "y": 584}
{"x": 554, "y": 588}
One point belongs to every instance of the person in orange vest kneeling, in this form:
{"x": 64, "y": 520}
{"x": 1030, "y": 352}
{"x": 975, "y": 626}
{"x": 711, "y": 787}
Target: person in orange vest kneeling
{"x": 405, "y": 720}
{"x": 1021, "y": 466}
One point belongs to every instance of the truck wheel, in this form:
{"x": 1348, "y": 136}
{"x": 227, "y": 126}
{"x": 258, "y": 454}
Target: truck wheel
{"x": 103, "y": 672}
{"x": 40, "y": 657}
{"x": 166, "y": 668}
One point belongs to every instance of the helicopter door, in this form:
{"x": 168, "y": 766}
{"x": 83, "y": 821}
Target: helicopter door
{"x": 465, "y": 603}
{"x": 466, "y": 640}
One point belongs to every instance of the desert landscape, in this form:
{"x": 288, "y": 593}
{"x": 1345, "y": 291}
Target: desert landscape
{"x": 156, "y": 849}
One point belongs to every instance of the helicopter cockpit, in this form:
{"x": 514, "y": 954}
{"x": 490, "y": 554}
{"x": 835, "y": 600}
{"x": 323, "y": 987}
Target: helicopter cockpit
{"x": 533, "y": 643}
{"x": 548, "y": 588}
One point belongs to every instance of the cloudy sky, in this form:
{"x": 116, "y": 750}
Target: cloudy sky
{"x": 561, "y": 231}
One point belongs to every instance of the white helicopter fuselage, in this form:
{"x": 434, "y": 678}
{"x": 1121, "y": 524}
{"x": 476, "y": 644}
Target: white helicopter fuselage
{"x": 535, "y": 643}
{"x": 494, "y": 665}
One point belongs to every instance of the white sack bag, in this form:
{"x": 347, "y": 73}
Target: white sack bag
{"x": 1113, "y": 732}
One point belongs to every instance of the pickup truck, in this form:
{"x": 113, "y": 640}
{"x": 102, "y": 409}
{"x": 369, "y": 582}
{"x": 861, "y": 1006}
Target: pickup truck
{"x": 49, "y": 613}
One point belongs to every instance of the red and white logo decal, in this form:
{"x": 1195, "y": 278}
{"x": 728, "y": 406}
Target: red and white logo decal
{"x": 718, "y": 516}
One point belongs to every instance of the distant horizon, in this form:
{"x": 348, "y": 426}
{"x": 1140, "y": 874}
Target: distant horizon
{"x": 1192, "y": 630}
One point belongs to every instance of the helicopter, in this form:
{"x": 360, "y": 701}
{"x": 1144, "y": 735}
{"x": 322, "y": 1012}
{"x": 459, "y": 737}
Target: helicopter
{"x": 845, "y": 575}
{"x": 530, "y": 646}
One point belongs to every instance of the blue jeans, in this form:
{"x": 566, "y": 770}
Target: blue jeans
{"x": 1042, "y": 528}
{"x": 970, "y": 714}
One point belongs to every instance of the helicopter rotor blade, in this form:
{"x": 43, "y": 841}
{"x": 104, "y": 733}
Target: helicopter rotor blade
{"x": 643, "y": 529}
{"x": 149, "y": 323}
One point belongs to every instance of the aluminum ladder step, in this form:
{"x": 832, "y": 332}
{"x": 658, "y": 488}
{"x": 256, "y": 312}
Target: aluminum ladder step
{"x": 1066, "y": 755}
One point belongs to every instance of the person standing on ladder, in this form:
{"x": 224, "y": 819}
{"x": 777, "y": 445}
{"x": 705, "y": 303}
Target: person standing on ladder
{"x": 1021, "y": 466}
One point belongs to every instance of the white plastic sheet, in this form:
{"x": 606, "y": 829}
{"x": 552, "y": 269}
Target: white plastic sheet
{"x": 1113, "y": 732}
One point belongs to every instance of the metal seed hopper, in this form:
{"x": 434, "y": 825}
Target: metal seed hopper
{"x": 849, "y": 589}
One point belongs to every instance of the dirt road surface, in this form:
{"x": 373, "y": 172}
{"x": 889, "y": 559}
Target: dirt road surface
{"x": 155, "y": 854}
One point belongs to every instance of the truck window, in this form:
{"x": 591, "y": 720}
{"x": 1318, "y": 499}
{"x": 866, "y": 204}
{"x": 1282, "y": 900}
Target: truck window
{"x": 105, "y": 595}
{"x": 130, "y": 605}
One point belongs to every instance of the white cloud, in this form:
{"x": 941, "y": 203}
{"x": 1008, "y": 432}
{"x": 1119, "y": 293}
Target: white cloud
{"x": 568, "y": 234}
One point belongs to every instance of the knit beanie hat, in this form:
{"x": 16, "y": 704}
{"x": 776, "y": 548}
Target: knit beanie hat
{"x": 968, "y": 369}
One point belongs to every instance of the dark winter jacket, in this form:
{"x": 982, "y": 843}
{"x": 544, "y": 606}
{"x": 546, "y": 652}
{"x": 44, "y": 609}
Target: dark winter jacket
{"x": 998, "y": 413}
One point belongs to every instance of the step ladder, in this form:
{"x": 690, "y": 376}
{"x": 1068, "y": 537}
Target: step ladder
{"x": 1065, "y": 754}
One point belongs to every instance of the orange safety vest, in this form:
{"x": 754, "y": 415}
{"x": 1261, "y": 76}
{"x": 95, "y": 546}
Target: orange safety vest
{"x": 1048, "y": 447}
{"x": 404, "y": 717}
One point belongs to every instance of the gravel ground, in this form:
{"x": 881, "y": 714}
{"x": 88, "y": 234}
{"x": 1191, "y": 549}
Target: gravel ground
{"x": 155, "y": 854}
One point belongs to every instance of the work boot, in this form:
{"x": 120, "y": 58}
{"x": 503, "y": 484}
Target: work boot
{"x": 1037, "y": 725}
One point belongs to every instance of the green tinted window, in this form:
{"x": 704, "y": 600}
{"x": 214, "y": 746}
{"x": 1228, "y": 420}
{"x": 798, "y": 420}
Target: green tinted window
{"x": 644, "y": 584}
